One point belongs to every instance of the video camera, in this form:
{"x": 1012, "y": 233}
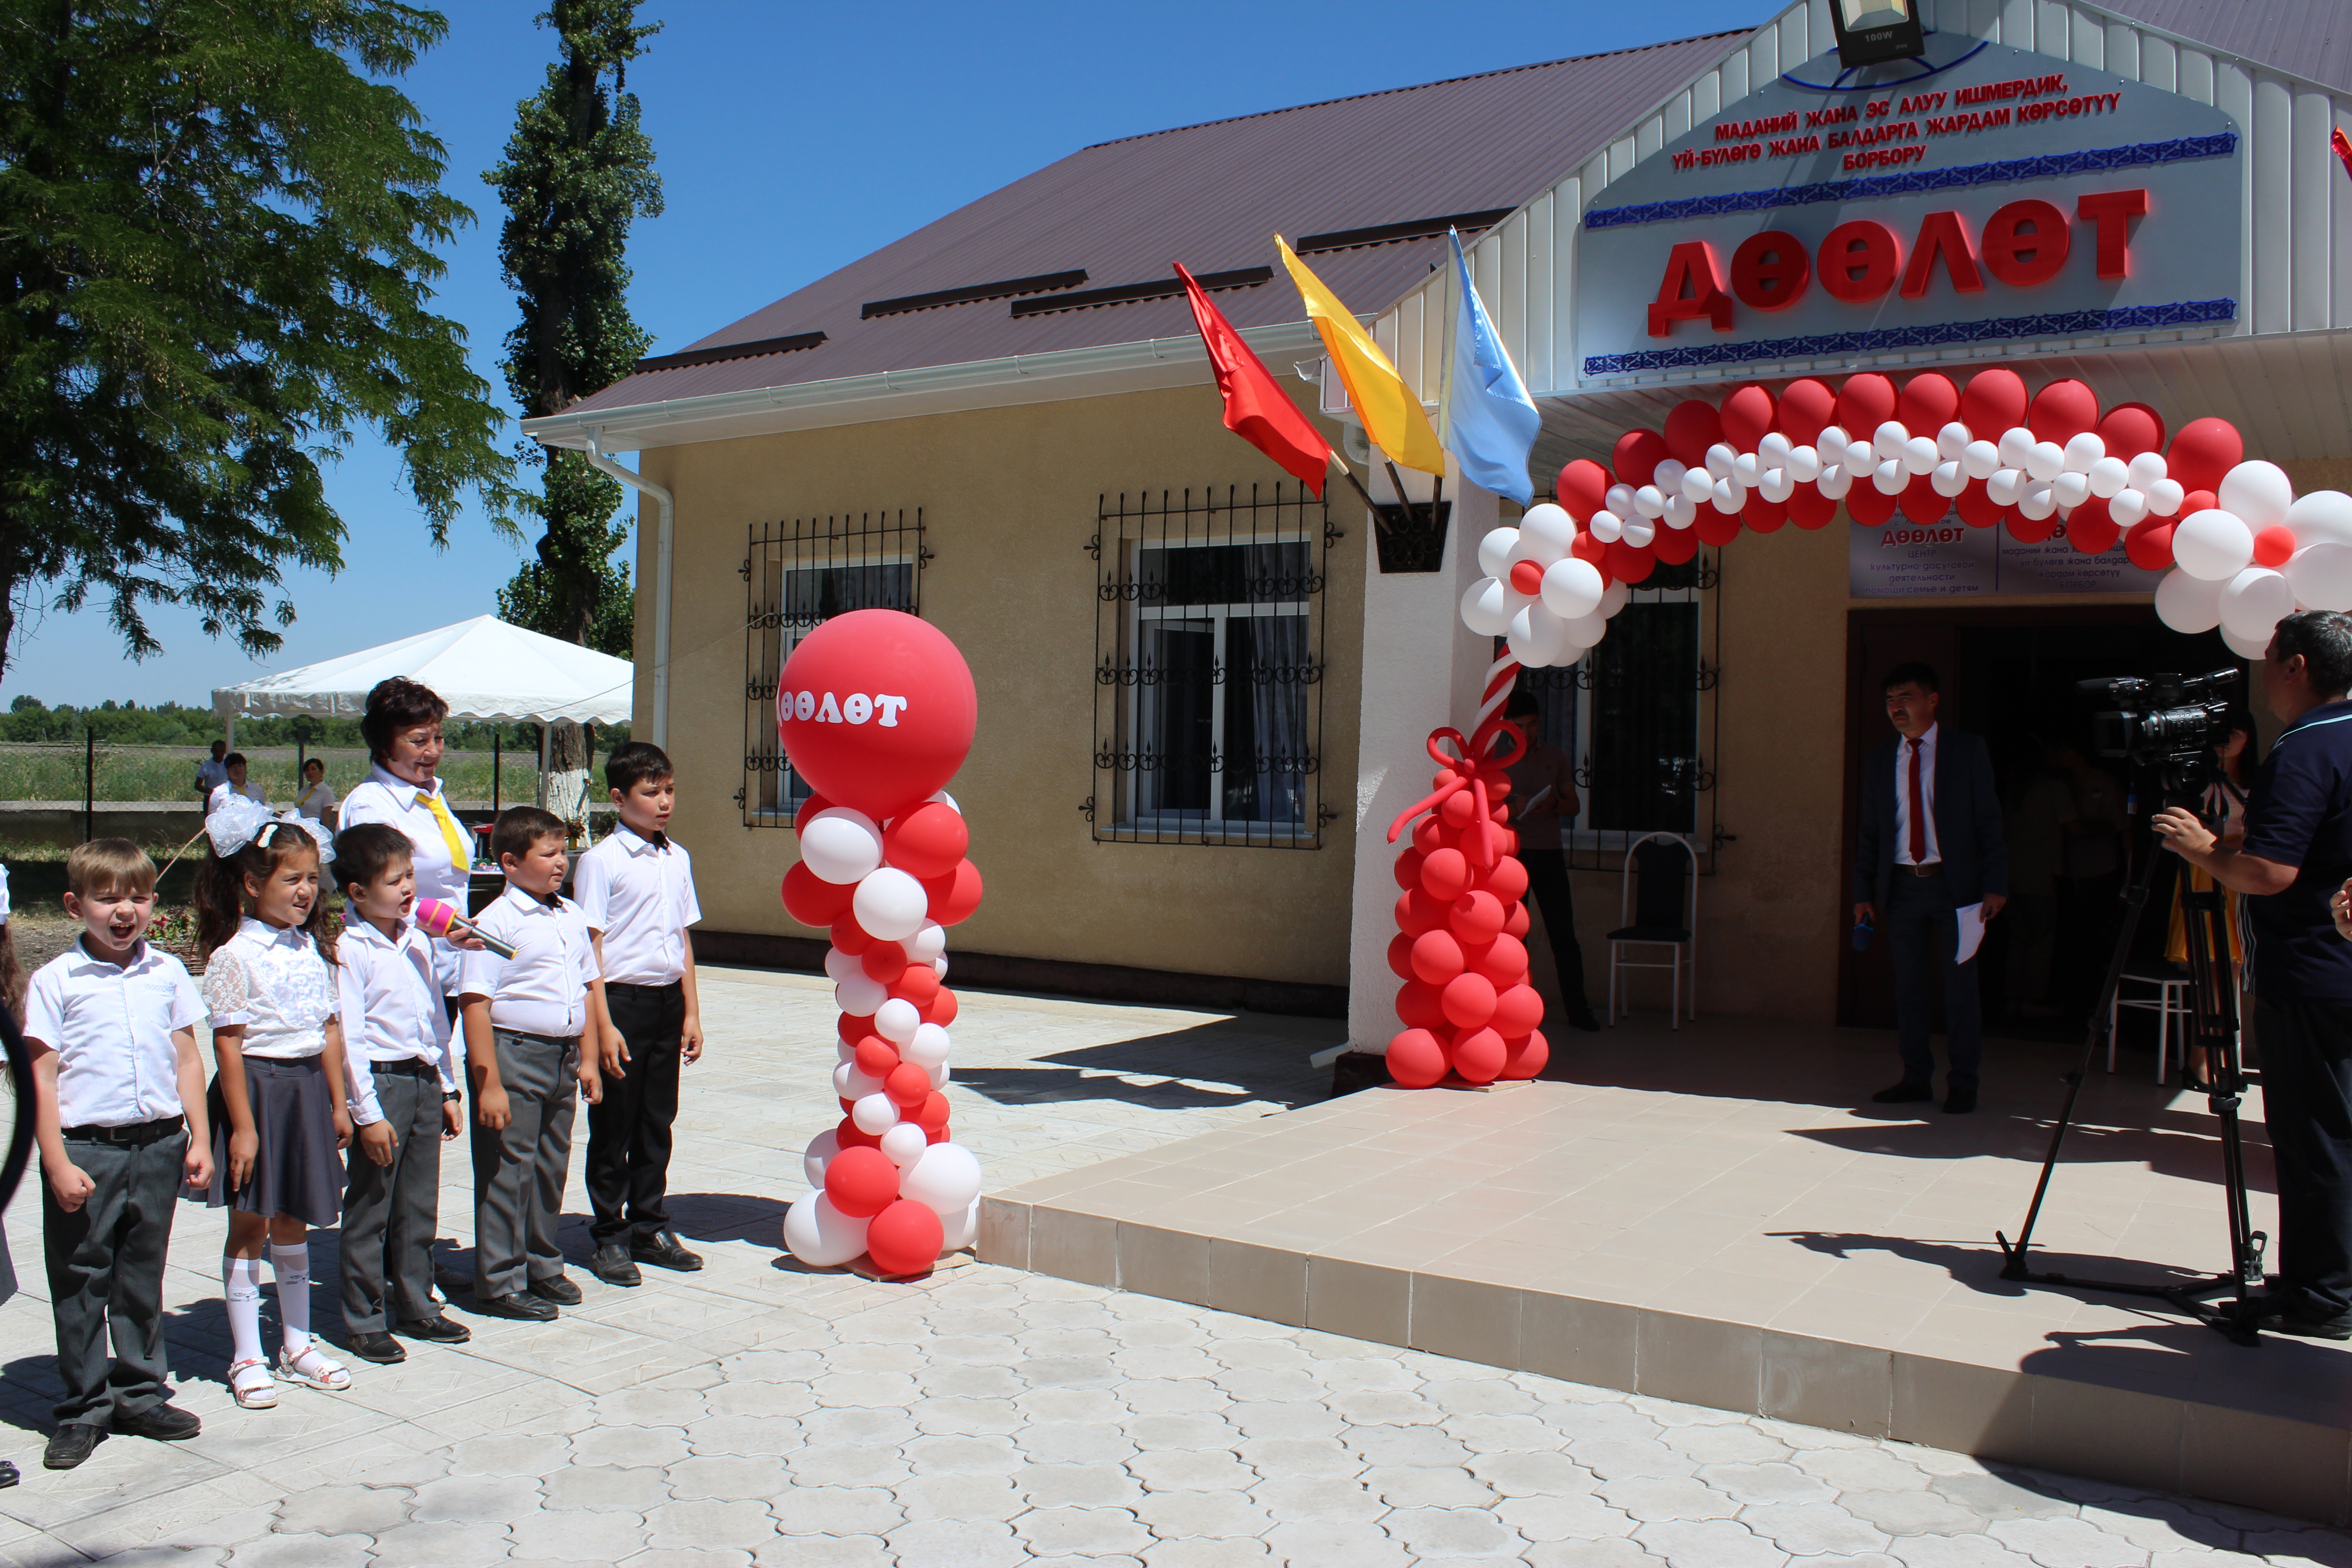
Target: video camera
{"x": 2163, "y": 720}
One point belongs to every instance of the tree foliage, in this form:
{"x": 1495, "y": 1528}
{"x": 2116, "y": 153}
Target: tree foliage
{"x": 217, "y": 222}
{"x": 579, "y": 170}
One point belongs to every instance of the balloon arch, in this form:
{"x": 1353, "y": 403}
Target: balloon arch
{"x": 2237, "y": 549}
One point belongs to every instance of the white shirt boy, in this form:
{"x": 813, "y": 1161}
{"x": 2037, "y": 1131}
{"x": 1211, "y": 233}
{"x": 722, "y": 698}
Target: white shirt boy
{"x": 443, "y": 857}
{"x": 112, "y": 1027}
{"x": 392, "y": 1009}
{"x": 640, "y": 895}
{"x": 543, "y": 988}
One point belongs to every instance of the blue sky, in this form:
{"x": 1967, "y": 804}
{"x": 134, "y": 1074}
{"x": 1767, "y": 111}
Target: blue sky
{"x": 794, "y": 137}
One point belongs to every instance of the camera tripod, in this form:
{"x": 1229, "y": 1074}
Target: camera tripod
{"x": 2212, "y": 1023}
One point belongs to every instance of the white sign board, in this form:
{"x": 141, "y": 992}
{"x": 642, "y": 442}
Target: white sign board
{"x": 1950, "y": 560}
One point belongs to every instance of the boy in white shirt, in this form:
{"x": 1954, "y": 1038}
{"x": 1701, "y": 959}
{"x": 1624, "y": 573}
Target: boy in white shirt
{"x": 404, "y": 1098}
{"x": 525, "y": 1019}
{"x": 636, "y": 890}
{"x": 118, "y": 1107}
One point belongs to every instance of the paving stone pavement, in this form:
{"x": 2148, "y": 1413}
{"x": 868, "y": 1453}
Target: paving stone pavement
{"x": 757, "y": 1412}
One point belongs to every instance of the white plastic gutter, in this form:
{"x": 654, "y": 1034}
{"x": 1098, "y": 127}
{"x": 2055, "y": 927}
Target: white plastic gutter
{"x": 666, "y": 529}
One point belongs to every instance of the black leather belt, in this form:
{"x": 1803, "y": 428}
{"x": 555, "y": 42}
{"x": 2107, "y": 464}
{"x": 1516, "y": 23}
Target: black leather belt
{"x": 135, "y": 1134}
{"x": 631, "y": 987}
{"x": 1932, "y": 869}
{"x": 407, "y": 1067}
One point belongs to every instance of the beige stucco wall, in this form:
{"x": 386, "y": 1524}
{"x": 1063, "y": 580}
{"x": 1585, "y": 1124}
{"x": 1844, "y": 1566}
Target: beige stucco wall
{"x": 1009, "y": 498}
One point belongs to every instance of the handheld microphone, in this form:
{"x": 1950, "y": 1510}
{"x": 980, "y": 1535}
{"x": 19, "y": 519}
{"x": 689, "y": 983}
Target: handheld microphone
{"x": 440, "y": 919}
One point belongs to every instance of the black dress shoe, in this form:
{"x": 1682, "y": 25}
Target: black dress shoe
{"x": 555, "y": 1287}
{"x": 521, "y": 1304}
{"x": 380, "y": 1348}
{"x": 611, "y": 1264}
{"x": 1902, "y": 1093}
{"x": 664, "y": 1251}
{"x": 2279, "y": 1320}
{"x": 163, "y": 1423}
{"x": 439, "y": 1330}
{"x": 1960, "y": 1101}
{"x": 73, "y": 1443}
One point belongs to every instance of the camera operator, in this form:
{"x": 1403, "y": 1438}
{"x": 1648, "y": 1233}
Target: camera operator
{"x": 2296, "y": 854}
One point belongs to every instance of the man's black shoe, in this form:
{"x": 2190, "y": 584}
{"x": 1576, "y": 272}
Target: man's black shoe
{"x": 378, "y": 1347}
{"x": 72, "y": 1443}
{"x": 521, "y": 1304}
{"x": 441, "y": 1331}
{"x": 611, "y": 1264}
{"x": 556, "y": 1289}
{"x": 1582, "y": 1019}
{"x": 664, "y": 1251}
{"x": 1902, "y": 1093}
{"x": 1960, "y": 1101}
{"x": 163, "y": 1423}
{"x": 2278, "y": 1320}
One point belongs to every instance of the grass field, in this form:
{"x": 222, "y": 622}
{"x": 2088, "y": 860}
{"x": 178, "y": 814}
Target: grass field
{"x": 169, "y": 773}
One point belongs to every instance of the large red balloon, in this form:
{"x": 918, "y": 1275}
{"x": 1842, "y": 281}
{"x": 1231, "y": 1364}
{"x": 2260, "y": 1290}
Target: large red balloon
{"x": 1929, "y": 402}
{"x": 1629, "y": 562}
{"x": 1864, "y": 404}
{"x": 1748, "y": 417}
{"x": 929, "y": 841}
{"x": 1868, "y": 505}
{"x": 1691, "y": 429}
{"x": 1809, "y": 508}
{"x": 1417, "y": 1006}
{"x": 1674, "y": 545}
{"x": 852, "y": 1136}
{"x": 877, "y": 1058}
{"x": 1526, "y": 1058}
{"x": 919, "y": 983}
{"x": 883, "y": 961}
{"x": 2090, "y": 529}
{"x": 1504, "y": 960}
{"x": 1401, "y": 956}
{"x": 1715, "y": 527}
{"x": 1416, "y": 912}
{"x": 905, "y": 1238}
{"x": 2149, "y": 543}
{"x": 1445, "y": 873}
{"x": 1517, "y": 920}
{"x": 1507, "y": 881}
{"x": 1637, "y": 456}
{"x": 861, "y": 1182}
{"x": 1586, "y": 548}
{"x": 2275, "y": 546}
{"x": 908, "y": 1086}
{"x": 1408, "y": 868}
{"x": 2203, "y": 451}
{"x": 1764, "y": 516}
{"x": 941, "y": 1009}
{"x": 1806, "y": 407}
{"x": 814, "y": 901}
{"x": 1478, "y": 1056}
{"x": 1978, "y": 508}
{"x": 1436, "y": 957}
{"x": 854, "y": 1028}
{"x": 1415, "y": 1059}
{"x": 808, "y": 810}
{"x": 1476, "y": 917}
{"x": 1517, "y": 1009}
{"x": 849, "y": 936}
{"x": 2131, "y": 428}
{"x": 875, "y": 708}
{"x": 2026, "y": 531}
{"x": 1920, "y": 502}
{"x": 954, "y": 896}
{"x": 1994, "y": 402}
{"x": 933, "y": 1115}
{"x": 1583, "y": 488}
{"x": 2062, "y": 411}
{"x": 1468, "y": 1000}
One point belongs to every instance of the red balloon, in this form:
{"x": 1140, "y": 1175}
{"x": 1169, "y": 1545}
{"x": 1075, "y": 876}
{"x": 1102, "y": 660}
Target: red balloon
{"x": 1806, "y": 407}
{"x": 1691, "y": 429}
{"x": 1475, "y": 917}
{"x": 1445, "y": 873}
{"x": 1478, "y": 1056}
{"x": 1401, "y": 956}
{"x": 1507, "y": 881}
{"x": 1526, "y": 1058}
{"x": 846, "y": 1104}
{"x": 1468, "y": 1000}
{"x": 1809, "y": 508}
{"x": 1864, "y": 403}
{"x": 1502, "y": 961}
{"x": 905, "y": 1238}
{"x": 807, "y": 810}
{"x": 1929, "y": 402}
{"x": 2091, "y": 530}
{"x": 1674, "y": 545}
{"x": 1517, "y": 922}
{"x": 1429, "y": 835}
{"x": 2203, "y": 451}
{"x": 1995, "y": 402}
{"x": 854, "y": 1028}
{"x": 954, "y": 896}
{"x": 1436, "y": 957}
{"x": 1460, "y": 807}
{"x": 1583, "y": 488}
{"x": 2062, "y": 411}
{"x": 890, "y": 709}
{"x": 941, "y": 1009}
{"x": 1527, "y": 577}
{"x": 908, "y": 1086}
{"x": 814, "y": 901}
{"x": 851, "y": 1136}
{"x": 883, "y": 961}
{"x": 1637, "y": 456}
{"x": 1748, "y": 417}
{"x": 1716, "y": 528}
{"x": 2025, "y": 530}
{"x": 1920, "y": 502}
{"x": 1868, "y": 505}
{"x": 933, "y": 1113}
{"x": 1517, "y": 1010}
{"x": 1764, "y": 516}
{"x": 1629, "y": 562}
{"x": 936, "y": 1134}
{"x": 2149, "y": 543}
{"x": 2195, "y": 502}
{"x": 1417, "y": 1006}
{"x": 849, "y": 936}
{"x": 877, "y": 1058}
{"x": 1415, "y": 1059}
{"x": 1408, "y": 868}
{"x": 918, "y": 983}
{"x": 2273, "y": 545}
{"x": 2131, "y": 428}
{"x": 1976, "y": 508}
{"x": 929, "y": 841}
{"x": 861, "y": 1182}
{"x": 1584, "y": 547}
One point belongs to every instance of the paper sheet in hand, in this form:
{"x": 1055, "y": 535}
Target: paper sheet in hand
{"x": 1971, "y": 931}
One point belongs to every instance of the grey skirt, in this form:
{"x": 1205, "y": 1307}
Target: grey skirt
{"x": 297, "y": 1170}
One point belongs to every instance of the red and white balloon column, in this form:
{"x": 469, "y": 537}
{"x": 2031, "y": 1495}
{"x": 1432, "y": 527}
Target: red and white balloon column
{"x": 876, "y": 710}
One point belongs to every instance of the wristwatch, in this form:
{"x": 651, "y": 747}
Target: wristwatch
{"x": 453, "y": 1097}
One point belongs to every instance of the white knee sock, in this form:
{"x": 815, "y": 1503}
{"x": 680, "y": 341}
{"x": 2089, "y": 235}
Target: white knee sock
{"x": 241, "y": 1283}
{"x": 292, "y": 1265}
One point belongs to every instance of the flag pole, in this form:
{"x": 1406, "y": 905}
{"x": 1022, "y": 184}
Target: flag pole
{"x": 1349, "y": 475}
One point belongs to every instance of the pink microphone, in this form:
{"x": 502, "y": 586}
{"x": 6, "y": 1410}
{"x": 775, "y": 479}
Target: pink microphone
{"x": 441, "y": 920}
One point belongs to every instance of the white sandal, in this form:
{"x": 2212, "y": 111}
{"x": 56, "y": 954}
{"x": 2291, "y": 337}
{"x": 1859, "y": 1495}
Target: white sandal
{"x": 251, "y": 1382}
{"x": 314, "y": 1369}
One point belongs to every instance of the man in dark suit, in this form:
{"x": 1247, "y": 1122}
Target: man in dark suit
{"x": 1930, "y": 847}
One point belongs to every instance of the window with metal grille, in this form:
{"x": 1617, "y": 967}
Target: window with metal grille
{"x": 1209, "y": 668}
{"x": 796, "y": 576}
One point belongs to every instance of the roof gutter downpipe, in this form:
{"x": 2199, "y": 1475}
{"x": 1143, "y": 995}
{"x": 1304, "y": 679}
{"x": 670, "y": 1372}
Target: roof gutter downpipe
{"x": 596, "y": 458}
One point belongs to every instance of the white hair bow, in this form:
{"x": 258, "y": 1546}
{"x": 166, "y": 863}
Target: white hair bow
{"x": 240, "y": 821}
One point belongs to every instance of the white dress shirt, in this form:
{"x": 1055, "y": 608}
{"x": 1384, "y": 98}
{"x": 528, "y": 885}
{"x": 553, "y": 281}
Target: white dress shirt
{"x": 275, "y": 986}
{"x": 1926, "y": 745}
{"x": 211, "y": 774}
{"x": 382, "y": 796}
{"x": 317, "y": 803}
{"x": 640, "y": 895}
{"x": 543, "y": 988}
{"x": 392, "y": 1009}
{"x": 222, "y": 790}
{"x": 112, "y": 1027}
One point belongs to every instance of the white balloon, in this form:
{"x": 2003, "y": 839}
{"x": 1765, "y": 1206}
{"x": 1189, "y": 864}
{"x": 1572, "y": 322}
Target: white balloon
{"x": 2072, "y": 488}
{"x": 939, "y": 1076}
{"x": 2247, "y": 648}
{"x": 929, "y": 1047}
{"x": 1920, "y": 455}
{"x": 896, "y": 1019}
{"x": 1584, "y": 634}
{"x": 2038, "y": 501}
{"x": 1746, "y": 467}
{"x": 958, "y": 1231}
{"x": 840, "y": 965}
{"x": 2083, "y": 451}
{"x": 1889, "y": 439}
{"x": 945, "y": 1180}
{"x": 1775, "y": 485}
{"x": 1650, "y": 502}
{"x": 1681, "y": 511}
{"x": 1947, "y": 481}
{"x": 1952, "y": 440}
{"x": 2188, "y": 603}
{"x": 1980, "y": 460}
{"x": 2323, "y": 516}
{"x": 926, "y": 943}
{"x": 890, "y": 904}
{"x": 1804, "y": 464}
{"x": 1834, "y": 482}
{"x": 1536, "y": 638}
{"x": 1640, "y": 531}
{"x": 874, "y": 1113}
{"x": 1619, "y": 500}
{"x": 843, "y": 1051}
{"x": 2214, "y": 544}
{"x": 2253, "y": 600}
{"x": 905, "y": 1143}
{"x": 2165, "y": 496}
{"x": 1605, "y": 526}
{"x": 840, "y": 845}
{"x": 940, "y": 966}
{"x": 1833, "y": 441}
{"x": 1669, "y": 476}
{"x": 1571, "y": 588}
{"x": 1545, "y": 533}
{"x": 849, "y": 1083}
{"x": 1698, "y": 486}
{"x": 858, "y": 995}
{"x": 1482, "y": 607}
{"x": 819, "y": 1154}
{"x": 1772, "y": 451}
{"x": 944, "y": 798}
{"x": 2108, "y": 477}
{"x": 2015, "y": 443}
{"x": 2005, "y": 487}
{"x": 2258, "y": 492}
{"x": 1890, "y": 478}
{"x": 1494, "y": 551}
{"x": 2128, "y": 507}
{"x": 2045, "y": 460}
{"x": 1614, "y": 599}
{"x": 1730, "y": 496}
{"x": 820, "y": 1234}
{"x": 1719, "y": 458}
{"x": 2145, "y": 471}
{"x": 2321, "y": 574}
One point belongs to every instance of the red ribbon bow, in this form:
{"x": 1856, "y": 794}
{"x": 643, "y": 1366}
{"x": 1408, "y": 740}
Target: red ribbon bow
{"x": 1468, "y": 768}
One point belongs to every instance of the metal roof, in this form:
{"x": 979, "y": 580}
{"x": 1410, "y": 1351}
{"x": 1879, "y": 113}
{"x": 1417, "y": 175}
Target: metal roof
{"x": 2309, "y": 38}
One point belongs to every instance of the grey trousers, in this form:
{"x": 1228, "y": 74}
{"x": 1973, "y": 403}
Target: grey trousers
{"x": 519, "y": 1169}
{"x": 106, "y": 1276}
{"x": 390, "y": 1210}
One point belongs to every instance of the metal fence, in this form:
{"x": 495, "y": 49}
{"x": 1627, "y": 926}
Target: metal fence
{"x": 76, "y": 772}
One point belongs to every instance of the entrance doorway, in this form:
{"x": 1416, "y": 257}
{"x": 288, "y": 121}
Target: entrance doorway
{"x": 2009, "y": 675}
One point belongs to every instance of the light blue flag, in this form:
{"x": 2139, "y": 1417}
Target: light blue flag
{"x": 1490, "y": 421}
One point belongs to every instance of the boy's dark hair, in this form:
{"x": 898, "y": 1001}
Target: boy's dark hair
{"x": 633, "y": 761}
{"x": 1915, "y": 672}
{"x": 220, "y": 888}
{"x": 519, "y": 828}
{"x": 363, "y": 850}
{"x": 2323, "y": 638}
{"x": 396, "y": 705}
{"x": 108, "y": 866}
{"x": 233, "y": 759}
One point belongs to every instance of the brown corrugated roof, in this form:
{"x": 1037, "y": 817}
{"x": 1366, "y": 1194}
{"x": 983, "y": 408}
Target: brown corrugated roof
{"x": 1210, "y": 196}
{"x": 2309, "y": 38}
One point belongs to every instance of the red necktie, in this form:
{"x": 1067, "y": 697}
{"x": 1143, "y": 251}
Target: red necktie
{"x": 1918, "y": 812}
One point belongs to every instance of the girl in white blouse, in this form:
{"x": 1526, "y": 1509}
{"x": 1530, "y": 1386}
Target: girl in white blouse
{"x": 279, "y": 1115}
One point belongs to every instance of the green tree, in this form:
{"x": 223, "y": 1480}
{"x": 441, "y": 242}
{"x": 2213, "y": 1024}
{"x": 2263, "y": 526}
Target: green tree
{"x": 217, "y": 231}
{"x": 579, "y": 170}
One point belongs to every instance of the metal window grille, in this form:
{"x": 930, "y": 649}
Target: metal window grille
{"x": 796, "y": 575}
{"x": 1209, "y": 668}
{"x": 1641, "y": 717}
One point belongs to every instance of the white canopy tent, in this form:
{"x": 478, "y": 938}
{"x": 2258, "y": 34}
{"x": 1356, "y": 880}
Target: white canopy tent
{"x": 483, "y": 668}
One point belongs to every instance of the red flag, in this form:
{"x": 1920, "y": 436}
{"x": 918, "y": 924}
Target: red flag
{"x": 2343, "y": 145}
{"x": 1257, "y": 407}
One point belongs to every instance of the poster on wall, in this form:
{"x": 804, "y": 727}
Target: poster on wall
{"x": 1950, "y": 560}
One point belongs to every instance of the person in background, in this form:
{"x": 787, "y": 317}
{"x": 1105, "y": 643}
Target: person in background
{"x": 211, "y": 774}
{"x": 236, "y": 784}
{"x": 2089, "y": 881}
{"x": 2224, "y": 803}
{"x": 316, "y": 802}
{"x": 2035, "y": 833}
{"x": 1543, "y": 801}
{"x": 12, "y": 968}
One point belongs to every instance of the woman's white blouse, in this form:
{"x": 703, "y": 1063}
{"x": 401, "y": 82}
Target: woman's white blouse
{"x": 277, "y": 986}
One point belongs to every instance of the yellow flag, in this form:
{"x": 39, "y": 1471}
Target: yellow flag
{"x": 1391, "y": 413}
